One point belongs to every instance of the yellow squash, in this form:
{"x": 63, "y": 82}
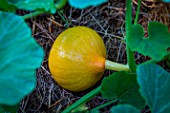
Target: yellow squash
{"x": 77, "y": 58}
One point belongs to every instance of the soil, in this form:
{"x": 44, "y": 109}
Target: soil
{"x": 109, "y": 21}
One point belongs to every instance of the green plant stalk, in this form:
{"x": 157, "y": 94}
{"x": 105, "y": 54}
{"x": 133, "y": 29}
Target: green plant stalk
{"x": 115, "y": 66}
{"x": 83, "y": 100}
{"x": 59, "y": 5}
{"x": 130, "y": 54}
{"x": 137, "y": 12}
{"x": 104, "y": 105}
{"x": 36, "y": 13}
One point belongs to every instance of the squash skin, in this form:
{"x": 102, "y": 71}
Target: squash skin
{"x": 77, "y": 58}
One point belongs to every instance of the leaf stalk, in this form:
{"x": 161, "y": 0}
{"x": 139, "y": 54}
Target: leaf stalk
{"x": 129, "y": 52}
{"x": 137, "y": 12}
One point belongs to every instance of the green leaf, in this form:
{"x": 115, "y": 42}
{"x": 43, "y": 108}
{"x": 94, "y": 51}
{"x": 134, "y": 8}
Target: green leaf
{"x": 35, "y": 4}
{"x": 123, "y": 87}
{"x": 154, "y": 84}
{"x": 155, "y": 45}
{"x": 124, "y": 109}
{"x": 20, "y": 57}
{"x": 9, "y": 109}
{"x": 85, "y": 3}
{"x": 5, "y": 6}
{"x": 168, "y": 1}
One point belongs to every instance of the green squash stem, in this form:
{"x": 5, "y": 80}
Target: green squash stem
{"x": 116, "y": 66}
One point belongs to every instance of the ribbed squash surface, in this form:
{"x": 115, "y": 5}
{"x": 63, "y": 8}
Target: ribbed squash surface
{"x": 77, "y": 58}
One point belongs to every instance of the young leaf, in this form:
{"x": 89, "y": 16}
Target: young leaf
{"x": 154, "y": 84}
{"x": 155, "y": 45}
{"x": 123, "y": 87}
{"x": 85, "y": 3}
{"x": 35, "y": 4}
{"x": 124, "y": 109}
{"x": 20, "y": 55}
{"x": 5, "y": 6}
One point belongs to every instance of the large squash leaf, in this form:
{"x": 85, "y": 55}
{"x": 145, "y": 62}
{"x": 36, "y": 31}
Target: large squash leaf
{"x": 124, "y": 109}
{"x": 85, "y": 3}
{"x": 20, "y": 56}
{"x": 154, "y": 84}
{"x": 155, "y": 45}
{"x": 122, "y": 86}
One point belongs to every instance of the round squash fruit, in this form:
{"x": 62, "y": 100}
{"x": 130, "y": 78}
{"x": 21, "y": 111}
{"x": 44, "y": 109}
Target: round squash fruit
{"x": 77, "y": 58}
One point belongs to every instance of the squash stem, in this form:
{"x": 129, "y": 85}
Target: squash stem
{"x": 116, "y": 66}
{"x": 129, "y": 52}
{"x": 137, "y": 12}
